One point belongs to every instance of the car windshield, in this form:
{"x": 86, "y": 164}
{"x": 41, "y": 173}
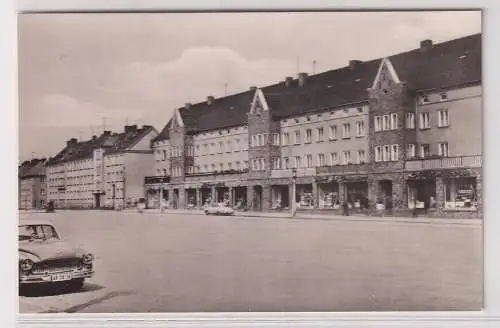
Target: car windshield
{"x": 37, "y": 232}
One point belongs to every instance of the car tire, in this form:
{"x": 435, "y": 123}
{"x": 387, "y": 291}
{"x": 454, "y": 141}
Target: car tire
{"x": 76, "y": 284}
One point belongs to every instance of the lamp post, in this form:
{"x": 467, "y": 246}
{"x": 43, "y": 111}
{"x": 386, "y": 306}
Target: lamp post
{"x": 114, "y": 196}
{"x": 293, "y": 206}
{"x": 161, "y": 195}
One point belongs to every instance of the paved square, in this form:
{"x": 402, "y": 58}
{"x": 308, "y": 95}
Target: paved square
{"x": 178, "y": 263}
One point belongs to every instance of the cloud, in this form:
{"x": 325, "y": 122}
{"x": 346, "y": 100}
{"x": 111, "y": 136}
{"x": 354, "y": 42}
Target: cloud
{"x": 195, "y": 74}
{"x": 58, "y": 110}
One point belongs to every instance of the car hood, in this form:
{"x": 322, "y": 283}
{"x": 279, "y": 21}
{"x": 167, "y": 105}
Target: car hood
{"x": 48, "y": 250}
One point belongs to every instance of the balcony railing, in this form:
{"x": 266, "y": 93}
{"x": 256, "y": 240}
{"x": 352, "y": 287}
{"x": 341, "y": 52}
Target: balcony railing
{"x": 287, "y": 173}
{"x": 156, "y": 179}
{"x": 444, "y": 163}
{"x": 343, "y": 169}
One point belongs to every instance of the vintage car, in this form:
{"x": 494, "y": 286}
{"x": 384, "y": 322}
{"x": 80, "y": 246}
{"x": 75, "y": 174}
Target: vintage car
{"x": 218, "y": 209}
{"x": 44, "y": 258}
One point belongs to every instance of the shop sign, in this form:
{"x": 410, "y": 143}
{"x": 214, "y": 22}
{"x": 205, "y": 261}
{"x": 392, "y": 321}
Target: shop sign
{"x": 431, "y": 174}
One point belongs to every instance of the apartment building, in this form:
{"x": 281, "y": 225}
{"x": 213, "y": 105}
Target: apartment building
{"x": 396, "y": 134}
{"x": 106, "y": 171}
{"x": 32, "y": 186}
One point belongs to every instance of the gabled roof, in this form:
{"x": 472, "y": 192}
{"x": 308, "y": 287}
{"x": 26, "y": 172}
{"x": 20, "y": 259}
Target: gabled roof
{"x": 111, "y": 142}
{"x": 448, "y": 64}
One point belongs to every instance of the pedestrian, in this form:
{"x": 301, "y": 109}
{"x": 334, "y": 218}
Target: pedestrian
{"x": 345, "y": 208}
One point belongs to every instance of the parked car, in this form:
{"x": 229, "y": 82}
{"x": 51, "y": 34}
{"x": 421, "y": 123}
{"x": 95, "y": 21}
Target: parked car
{"x": 44, "y": 258}
{"x": 218, "y": 209}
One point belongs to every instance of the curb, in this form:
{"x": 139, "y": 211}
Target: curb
{"x": 445, "y": 221}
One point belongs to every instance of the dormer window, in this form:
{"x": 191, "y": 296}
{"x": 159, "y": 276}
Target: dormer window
{"x": 425, "y": 99}
{"x": 444, "y": 96}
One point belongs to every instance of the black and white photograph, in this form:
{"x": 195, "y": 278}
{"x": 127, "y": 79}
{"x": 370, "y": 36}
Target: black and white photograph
{"x": 302, "y": 161}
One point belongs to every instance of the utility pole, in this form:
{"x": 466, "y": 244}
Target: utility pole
{"x": 314, "y": 67}
{"x": 225, "y": 89}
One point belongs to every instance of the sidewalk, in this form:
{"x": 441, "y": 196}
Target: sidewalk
{"x": 315, "y": 216}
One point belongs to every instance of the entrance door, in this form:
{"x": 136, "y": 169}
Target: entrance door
{"x": 97, "y": 200}
{"x": 386, "y": 191}
{"x": 257, "y": 203}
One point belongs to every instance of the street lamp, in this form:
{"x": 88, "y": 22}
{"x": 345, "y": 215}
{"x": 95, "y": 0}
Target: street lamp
{"x": 293, "y": 206}
{"x": 114, "y": 196}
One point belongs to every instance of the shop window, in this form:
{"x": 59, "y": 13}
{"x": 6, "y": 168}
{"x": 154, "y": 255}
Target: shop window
{"x": 461, "y": 194}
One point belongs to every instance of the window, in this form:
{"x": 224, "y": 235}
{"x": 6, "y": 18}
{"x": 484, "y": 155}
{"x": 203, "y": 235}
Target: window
{"x": 164, "y": 155}
{"x": 443, "y": 118}
{"x": 297, "y": 138}
{"x": 444, "y": 96}
{"x": 394, "y": 152}
{"x": 461, "y": 194}
{"x": 443, "y": 149}
{"x": 385, "y": 122}
{"x": 286, "y": 163}
{"x": 333, "y": 132}
{"x": 346, "y": 132}
{"x": 254, "y": 141}
{"x": 276, "y": 139}
{"x": 309, "y": 160}
{"x": 410, "y": 151}
{"x": 319, "y": 135}
{"x": 410, "y": 120}
{"x": 205, "y": 167}
{"x": 387, "y": 153}
{"x": 276, "y": 163}
{"x": 346, "y": 157}
{"x": 378, "y": 154}
{"x": 229, "y": 147}
{"x": 394, "y": 121}
{"x": 286, "y": 139}
{"x": 297, "y": 162}
{"x": 254, "y": 165}
{"x": 425, "y": 99}
{"x": 229, "y": 166}
{"x": 221, "y": 147}
{"x": 221, "y": 166}
{"x": 333, "y": 158}
{"x": 308, "y": 136}
{"x": 424, "y": 122}
{"x": 360, "y": 129}
{"x": 425, "y": 150}
{"x": 321, "y": 160}
{"x": 261, "y": 140}
{"x": 262, "y": 164}
{"x": 361, "y": 157}
{"x": 378, "y": 123}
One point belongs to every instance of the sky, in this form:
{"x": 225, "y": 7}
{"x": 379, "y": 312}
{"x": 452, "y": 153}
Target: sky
{"x": 82, "y": 73}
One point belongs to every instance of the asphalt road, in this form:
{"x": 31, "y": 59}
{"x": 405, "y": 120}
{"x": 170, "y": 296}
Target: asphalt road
{"x": 193, "y": 263}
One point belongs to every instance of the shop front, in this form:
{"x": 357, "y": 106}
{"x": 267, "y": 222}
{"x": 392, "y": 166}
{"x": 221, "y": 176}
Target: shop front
{"x": 240, "y": 197}
{"x": 356, "y": 194}
{"x": 191, "y": 198}
{"x": 280, "y": 197}
{"x": 422, "y": 193}
{"x": 460, "y": 194}
{"x": 328, "y": 193}
{"x": 304, "y": 196}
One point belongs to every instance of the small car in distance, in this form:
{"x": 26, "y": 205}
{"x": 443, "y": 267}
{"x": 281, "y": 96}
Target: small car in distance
{"x": 218, "y": 209}
{"x": 46, "y": 259}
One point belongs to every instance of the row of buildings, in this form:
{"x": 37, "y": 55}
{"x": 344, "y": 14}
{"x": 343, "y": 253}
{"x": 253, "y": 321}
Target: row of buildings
{"x": 399, "y": 133}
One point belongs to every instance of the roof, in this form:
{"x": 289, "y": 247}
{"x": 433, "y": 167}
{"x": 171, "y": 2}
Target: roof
{"x": 32, "y": 168}
{"x": 448, "y": 64}
{"x": 111, "y": 142}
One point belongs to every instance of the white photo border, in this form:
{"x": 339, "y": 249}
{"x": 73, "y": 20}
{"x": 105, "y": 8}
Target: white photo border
{"x": 490, "y": 317}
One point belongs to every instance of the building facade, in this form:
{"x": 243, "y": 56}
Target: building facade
{"x": 398, "y": 134}
{"x": 32, "y": 184}
{"x": 104, "y": 172}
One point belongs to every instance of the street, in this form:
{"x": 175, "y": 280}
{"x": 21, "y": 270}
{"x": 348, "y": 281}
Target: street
{"x": 196, "y": 263}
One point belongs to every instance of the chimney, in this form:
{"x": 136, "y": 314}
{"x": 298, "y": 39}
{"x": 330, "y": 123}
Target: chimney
{"x": 302, "y": 78}
{"x": 107, "y": 133}
{"x": 187, "y": 105}
{"x": 210, "y": 100}
{"x": 354, "y": 63}
{"x": 71, "y": 142}
{"x": 130, "y": 128}
{"x": 94, "y": 138}
{"x": 425, "y": 45}
{"x": 288, "y": 81}
{"x": 253, "y": 88}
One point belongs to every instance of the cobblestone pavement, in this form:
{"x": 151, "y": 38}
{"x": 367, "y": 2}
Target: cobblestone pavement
{"x": 179, "y": 263}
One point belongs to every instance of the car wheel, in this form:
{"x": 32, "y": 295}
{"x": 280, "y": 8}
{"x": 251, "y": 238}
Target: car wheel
{"x": 76, "y": 284}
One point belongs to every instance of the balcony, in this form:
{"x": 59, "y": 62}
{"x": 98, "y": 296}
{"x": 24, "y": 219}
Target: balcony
{"x": 343, "y": 169}
{"x": 444, "y": 163}
{"x": 287, "y": 173}
{"x": 156, "y": 179}
{"x": 217, "y": 176}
